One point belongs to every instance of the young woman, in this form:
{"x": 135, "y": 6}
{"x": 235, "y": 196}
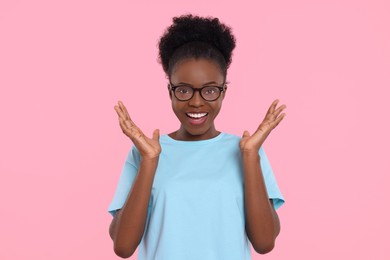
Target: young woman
{"x": 196, "y": 193}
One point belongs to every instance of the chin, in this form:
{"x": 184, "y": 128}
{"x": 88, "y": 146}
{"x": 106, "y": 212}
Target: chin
{"x": 197, "y": 132}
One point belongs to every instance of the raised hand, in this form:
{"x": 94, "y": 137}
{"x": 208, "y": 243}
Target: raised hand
{"x": 252, "y": 143}
{"x": 149, "y": 148}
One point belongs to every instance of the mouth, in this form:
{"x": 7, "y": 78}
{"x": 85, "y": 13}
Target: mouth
{"x": 197, "y": 118}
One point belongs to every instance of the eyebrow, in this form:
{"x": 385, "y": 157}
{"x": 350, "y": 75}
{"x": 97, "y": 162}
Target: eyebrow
{"x": 191, "y": 85}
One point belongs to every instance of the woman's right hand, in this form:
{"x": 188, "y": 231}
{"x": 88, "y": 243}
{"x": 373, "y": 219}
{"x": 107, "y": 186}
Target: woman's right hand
{"x": 149, "y": 148}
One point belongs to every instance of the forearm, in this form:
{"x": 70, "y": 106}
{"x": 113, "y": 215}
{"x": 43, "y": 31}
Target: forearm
{"x": 128, "y": 225}
{"x": 262, "y": 223}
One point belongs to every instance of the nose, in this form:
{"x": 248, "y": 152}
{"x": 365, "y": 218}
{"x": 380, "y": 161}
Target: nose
{"x": 196, "y": 100}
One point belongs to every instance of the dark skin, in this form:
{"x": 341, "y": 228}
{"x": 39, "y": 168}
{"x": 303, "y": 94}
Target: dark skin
{"x": 196, "y": 73}
{"x": 262, "y": 222}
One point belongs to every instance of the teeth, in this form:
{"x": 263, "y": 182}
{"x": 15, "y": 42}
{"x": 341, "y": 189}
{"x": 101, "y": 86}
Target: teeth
{"x": 198, "y": 115}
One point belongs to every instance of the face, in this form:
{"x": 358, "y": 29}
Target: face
{"x": 196, "y": 115}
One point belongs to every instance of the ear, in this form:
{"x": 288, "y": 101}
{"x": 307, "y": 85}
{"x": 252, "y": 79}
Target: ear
{"x": 170, "y": 93}
{"x": 224, "y": 93}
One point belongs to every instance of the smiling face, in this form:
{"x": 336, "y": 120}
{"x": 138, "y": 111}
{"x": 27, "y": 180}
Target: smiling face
{"x": 196, "y": 115}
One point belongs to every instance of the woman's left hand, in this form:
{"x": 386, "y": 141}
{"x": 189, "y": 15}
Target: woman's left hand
{"x": 252, "y": 143}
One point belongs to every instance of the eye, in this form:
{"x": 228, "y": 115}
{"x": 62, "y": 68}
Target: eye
{"x": 210, "y": 90}
{"x": 183, "y": 90}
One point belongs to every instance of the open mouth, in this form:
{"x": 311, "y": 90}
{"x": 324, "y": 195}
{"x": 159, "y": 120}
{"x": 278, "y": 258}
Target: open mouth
{"x": 196, "y": 115}
{"x": 197, "y": 119}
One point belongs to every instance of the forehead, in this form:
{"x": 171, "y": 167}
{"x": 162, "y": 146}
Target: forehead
{"x": 196, "y": 71}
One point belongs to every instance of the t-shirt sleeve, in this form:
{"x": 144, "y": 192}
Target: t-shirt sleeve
{"x": 126, "y": 179}
{"x": 270, "y": 180}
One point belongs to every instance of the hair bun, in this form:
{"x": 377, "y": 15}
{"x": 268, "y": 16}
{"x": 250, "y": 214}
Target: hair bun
{"x": 189, "y": 28}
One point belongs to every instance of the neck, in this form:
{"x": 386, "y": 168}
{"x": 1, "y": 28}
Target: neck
{"x": 183, "y": 135}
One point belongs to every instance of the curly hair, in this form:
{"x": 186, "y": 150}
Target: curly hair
{"x": 196, "y": 37}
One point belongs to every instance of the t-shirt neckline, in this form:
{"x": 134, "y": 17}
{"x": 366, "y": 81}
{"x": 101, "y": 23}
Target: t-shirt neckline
{"x": 198, "y": 142}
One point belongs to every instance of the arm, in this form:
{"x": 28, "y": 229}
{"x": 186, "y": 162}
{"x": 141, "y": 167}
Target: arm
{"x": 262, "y": 223}
{"x": 128, "y": 225}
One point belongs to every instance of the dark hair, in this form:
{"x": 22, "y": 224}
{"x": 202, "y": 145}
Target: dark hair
{"x": 196, "y": 37}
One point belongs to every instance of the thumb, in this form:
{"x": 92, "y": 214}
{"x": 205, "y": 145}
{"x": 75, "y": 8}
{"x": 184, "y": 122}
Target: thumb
{"x": 245, "y": 134}
{"x": 156, "y": 134}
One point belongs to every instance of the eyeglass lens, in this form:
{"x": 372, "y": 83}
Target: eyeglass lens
{"x": 186, "y": 93}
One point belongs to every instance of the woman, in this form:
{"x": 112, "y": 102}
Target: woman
{"x": 196, "y": 193}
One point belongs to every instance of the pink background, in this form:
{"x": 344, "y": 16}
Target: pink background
{"x": 65, "y": 64}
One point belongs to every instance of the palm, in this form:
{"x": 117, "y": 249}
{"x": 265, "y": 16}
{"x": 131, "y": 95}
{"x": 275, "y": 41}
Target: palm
{"x": 271, "y": 120}
{"x": 148, "y": 147}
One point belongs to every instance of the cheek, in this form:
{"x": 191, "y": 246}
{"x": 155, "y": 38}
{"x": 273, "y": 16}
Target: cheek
{"x": 176, "y": 107}
{"x": 217, "y": 107}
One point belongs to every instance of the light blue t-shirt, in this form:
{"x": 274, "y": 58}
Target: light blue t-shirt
{"x": 196, "y": 209}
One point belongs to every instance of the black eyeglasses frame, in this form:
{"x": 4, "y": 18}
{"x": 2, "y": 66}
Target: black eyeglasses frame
{"x": 221, "y": 88}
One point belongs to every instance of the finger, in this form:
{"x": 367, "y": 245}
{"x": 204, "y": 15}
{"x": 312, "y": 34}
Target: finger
{"x": 127, "y": 123}
{"x": 133, "y": 127}
{"x": 277, "y": 121}
{"x": 245, "y": 134}
{"x": 119, "y": 112}
{"x": 120, "y": 104}
{"x": 271, "y": 109}
{"x": 133, "y": 132}
{"x": 125, "y": 110}
{"x": 156, "y": 134}
{"x": 125, "y": 126}
{"x": 272, "y": 106}
{"x": 277, "y": 111}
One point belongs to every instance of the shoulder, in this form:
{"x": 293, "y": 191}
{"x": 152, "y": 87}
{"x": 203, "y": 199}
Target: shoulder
{"x": 234, "y": 140}
{"x": 230, "y": 136}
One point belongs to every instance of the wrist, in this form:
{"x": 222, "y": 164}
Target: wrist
{"x": 149, "y": 160}
{"x": 250, "y": 154}
{"x": 249, "y": 151}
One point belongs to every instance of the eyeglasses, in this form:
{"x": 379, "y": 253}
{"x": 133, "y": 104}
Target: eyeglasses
{"x": 208, "y": 93}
